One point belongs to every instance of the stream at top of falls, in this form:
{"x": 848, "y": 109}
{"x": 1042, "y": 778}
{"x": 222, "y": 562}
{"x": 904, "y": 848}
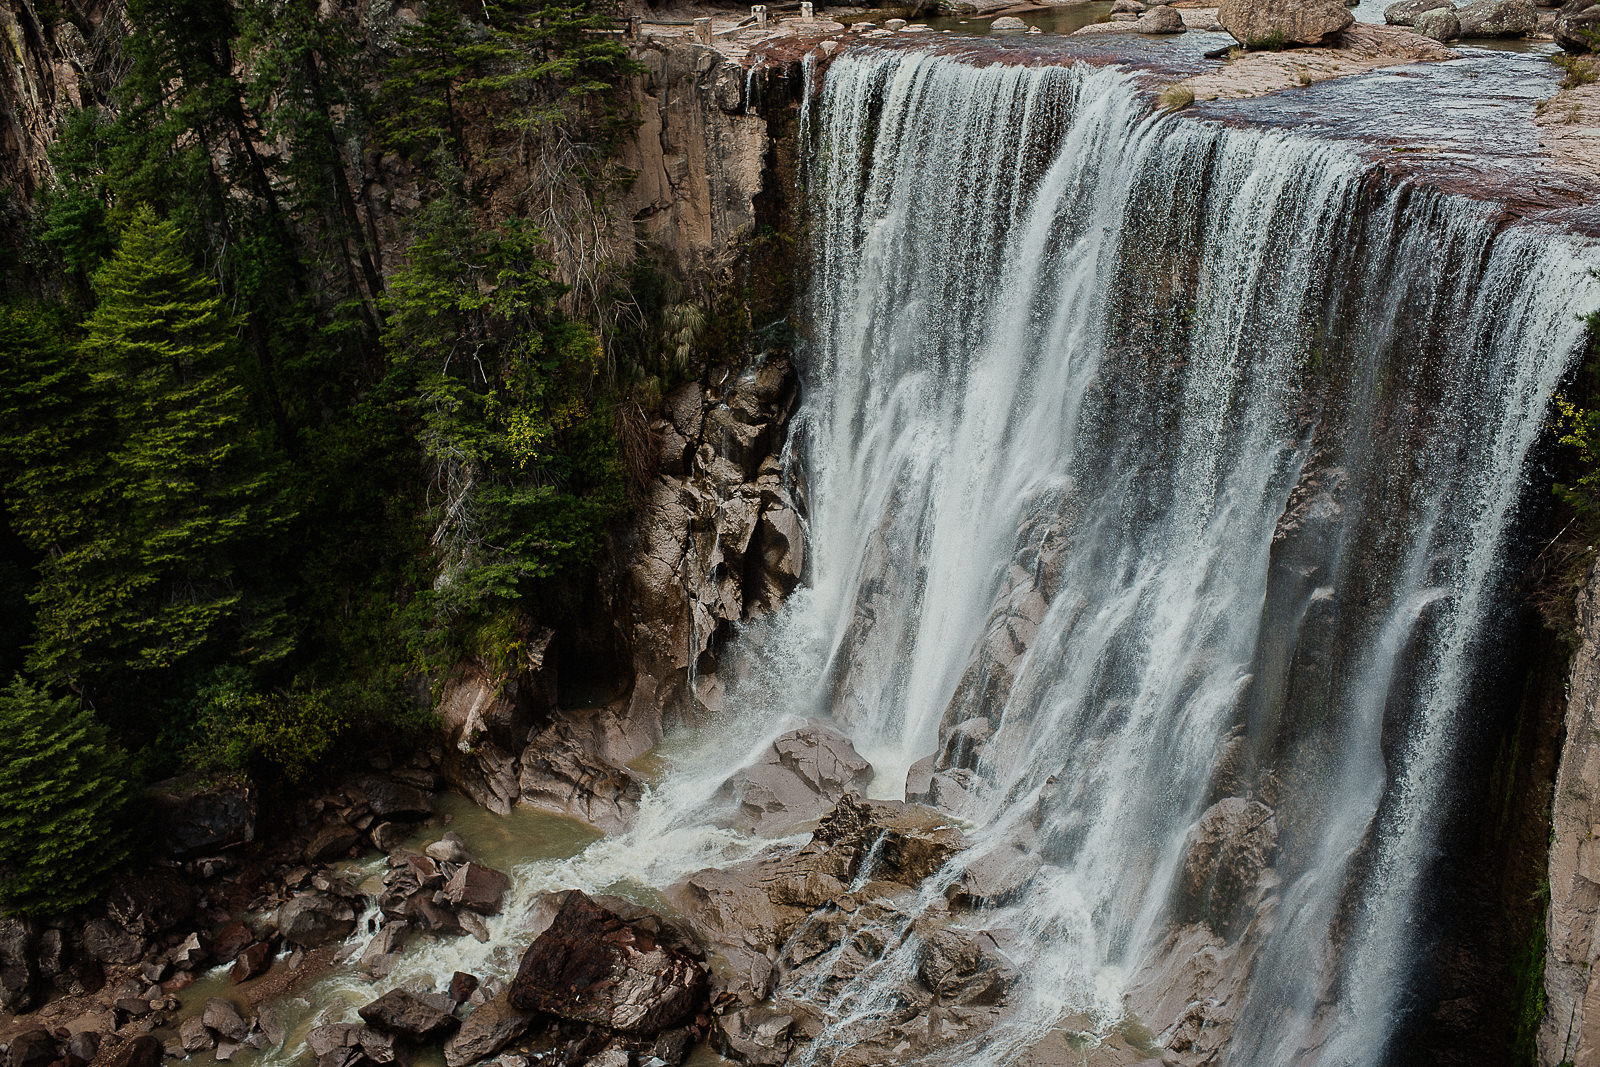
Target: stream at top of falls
{"x": 1187, "y": 455}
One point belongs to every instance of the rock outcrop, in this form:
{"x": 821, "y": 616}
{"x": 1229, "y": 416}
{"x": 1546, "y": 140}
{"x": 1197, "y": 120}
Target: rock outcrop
{"x": 1571, "y": 1027}
{"x": 802, "y": 774}
{"x": 1577, "y": 26}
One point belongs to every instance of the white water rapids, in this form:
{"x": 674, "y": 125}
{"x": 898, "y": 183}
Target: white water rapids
{"x": 1187, "y": 456}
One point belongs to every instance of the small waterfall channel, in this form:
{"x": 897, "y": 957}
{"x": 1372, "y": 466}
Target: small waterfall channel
{"x": 1176, "y": 463}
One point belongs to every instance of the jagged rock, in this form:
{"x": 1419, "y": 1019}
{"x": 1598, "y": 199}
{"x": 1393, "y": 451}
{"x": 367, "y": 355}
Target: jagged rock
{"x": 487, "y": 719}
{"x": 383, "y": 951}
{"x": 351, "y": 1045}
{"x": 194, "y": 1035}
{"x": 490, "y": 1028}
{"x": 997, "y": 878}
{"x": 802, "y": 774}
{"x": 50, "y": 955}
{"x": 82, "y": 1048}
{"x": 222, "y": 1018}
{"x": 1498, "y": 18}
{"x": 591, "y": 965}
{"x": 146, "y": 903}
{"x": 32, "y": 1048}
{"x": 562, "y": 773}
{"x": 473, "y": 925}
{"x": 1161, "y": 19}
{"x": 256, "y": 959}
{"x": 462, "y": 986}
{"x": 231, "y": 939}
{"x": 1577, "y": 27}
{"x": 108, "y": 942}
{"x": 388, "y": 836}
{"x": 1439, "y": 25}
{"x": 1405, "y": 12}
{"x": 906, "y": 842}
{"x": 389, "y": 799}
{"x": 332, "y": 842}
{"x": 407, "y": 1015}
{"x": 311, "y": 920}
{"x": 755, "y": 1035}
{"x": 188, "y": 954}
{"x": 19, "y": 970}
{"x": 448, "y": 849}
{"x": 477, "y": 887}
{"x": 1282, "y": 23}
{"x": 963, "y": 966}
{"x": 196, "y": 818}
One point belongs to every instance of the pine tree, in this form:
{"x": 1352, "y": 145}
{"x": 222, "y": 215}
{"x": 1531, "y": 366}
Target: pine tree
{"x": 63, "y": 788}
{"x": 144, "y": 564}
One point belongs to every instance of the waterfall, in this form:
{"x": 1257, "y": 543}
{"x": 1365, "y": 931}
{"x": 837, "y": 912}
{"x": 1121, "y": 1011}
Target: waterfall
{"x": 1185, "y": 456}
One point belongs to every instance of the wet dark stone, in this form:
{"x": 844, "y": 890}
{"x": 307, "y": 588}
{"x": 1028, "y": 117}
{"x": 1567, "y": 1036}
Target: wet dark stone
{"x": 407, "y": 1015}
{"x": 462, "y": 986}
{"x": 593, "y": 966}
{"x": 32, "y": 1048}
{"x": 253, "y": 961}
{"x": 231, "y": 939}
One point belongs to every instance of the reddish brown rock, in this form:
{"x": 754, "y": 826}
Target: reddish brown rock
{"x": 254, "y": 960}
{"x": 591, "y": 965}
{"x": 477, "y": 887}
{"x": 230, "y": 940}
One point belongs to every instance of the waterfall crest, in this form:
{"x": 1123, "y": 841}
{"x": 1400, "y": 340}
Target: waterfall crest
{"x": 1184, "y": 457}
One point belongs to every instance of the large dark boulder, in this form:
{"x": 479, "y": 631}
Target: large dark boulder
{"x": 195, "y": 817}
{"x": 147, "y": 903}
{"x": 19, "y": 972}
{"x": 477, "y": 887}
{"x": 311, "y": 920}
{"x": 32, "y": 1048}
{"x": 592, "y": 965}
{"x": 410, "y": 1016}
{"x": 390, "y": 799}
{"x": 108, "y": 942}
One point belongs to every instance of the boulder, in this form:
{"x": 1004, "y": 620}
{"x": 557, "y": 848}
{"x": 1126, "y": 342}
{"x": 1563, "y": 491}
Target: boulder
{"x": 407, "y": 1015}
{"x": 231, "y": 939}
{"x": 756, "y": 1035}
{"x": 962, "y": 966}
{"x": 189, "y": 954}
{"x": 82, "y": 1048}
{"x": 19, "y": 966}
{"x": 310, "y": 920}
{"x": 494, "y": 1025}
{"x": 804, "y": 773}
{"x": 108, "y": 942}
{"x": 151, "y": 902}
{"x": 472, "y": 924}
{"x": 198, "y": 817}
{"x": 448, "y": 849}
{"x": 254, "y": 961}
{"x": 1405, "y": 12}
{"x": 1008, "y": 24}
{"x": 1161, "y": 19}
{"x": 383, "y": 951}
{"x": 32, "y": 1048}
{"x": 1577, "y": 27}
{"x": 389, "y": 799}
{"x": 1283, "y": 23}
{"x": 332, "y": 842}
{"x": 1498, "y": 18}
{"x": 592, "y": 965}
{"x": 388, "y": 836}
{"x": 462, "y": 986}
{"x": 997, "y": 878}
{"x": 906, "y": 842}
{"x": 222, "y": 1018}
{"x": 1128, "y": 7}
{"x": 194, "y": 1035}
{"x": 352, "y": 1045}
{"x": 1439, "y": 24}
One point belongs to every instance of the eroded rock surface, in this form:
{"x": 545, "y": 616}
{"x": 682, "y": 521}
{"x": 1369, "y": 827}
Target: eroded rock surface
{"x": 803, "y": 773}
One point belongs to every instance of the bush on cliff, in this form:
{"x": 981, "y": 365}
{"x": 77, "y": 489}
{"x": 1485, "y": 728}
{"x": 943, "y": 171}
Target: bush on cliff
{"x": 63, "y": 788}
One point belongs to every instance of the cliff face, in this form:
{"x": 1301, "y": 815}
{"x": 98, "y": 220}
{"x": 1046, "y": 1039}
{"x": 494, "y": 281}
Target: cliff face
{"x": 47, "y": 68}
{"x": 1571, "y": 1029}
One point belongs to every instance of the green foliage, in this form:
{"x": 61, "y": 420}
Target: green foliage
{"x": 525, "y": 470}
{"x": 241, "y": 729}
{"x": 1579, "y": 70}
{"x": 1527, "y": 976}
{"x": 63, "y": 788}
{"x": 151, "y": 507}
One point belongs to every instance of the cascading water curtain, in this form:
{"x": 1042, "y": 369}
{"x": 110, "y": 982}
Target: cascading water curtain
{"x": 1184, "y": 456}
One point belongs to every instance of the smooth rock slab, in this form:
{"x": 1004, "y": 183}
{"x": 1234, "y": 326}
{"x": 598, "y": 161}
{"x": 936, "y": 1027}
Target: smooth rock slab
{"x": 593, "y": 966}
